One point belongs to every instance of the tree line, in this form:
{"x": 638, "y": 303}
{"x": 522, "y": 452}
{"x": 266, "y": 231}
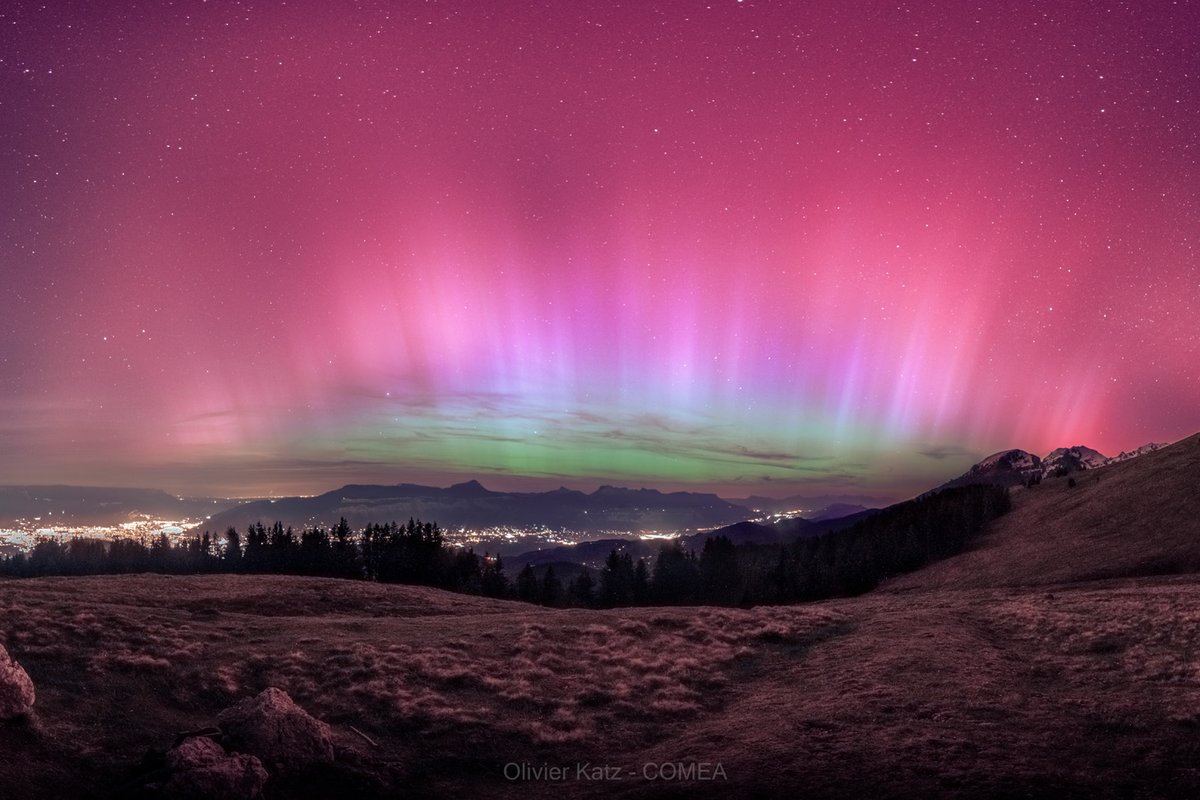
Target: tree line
{"x": 415, "y": 553}
{"x": 898, "y": 539}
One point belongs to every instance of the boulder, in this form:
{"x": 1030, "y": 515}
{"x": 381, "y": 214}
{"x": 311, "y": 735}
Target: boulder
{"x": 278, "y": 731}
{"x": 16, "y": 690}
{"x": 202, "y": 770}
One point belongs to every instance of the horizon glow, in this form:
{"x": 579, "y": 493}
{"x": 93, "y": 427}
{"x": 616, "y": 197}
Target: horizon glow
{"x": 738, "y": 247}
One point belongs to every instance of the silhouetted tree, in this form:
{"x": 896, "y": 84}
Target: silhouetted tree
{"x": 527, "y": 585}
{"x": 160, "y": 554}
{"x": 466, "y": 573}
{"x": 493, "y": 582}
{"x": 232, "y": 554}
{"x": 641, "y": 583}
{"x": 344, "y": 561}
{"x": 315, "y": 555}
{"x": 255, "y": 556}
{"x": 281, "y": 550}
{"x": 616, "y": 580}
{"x": 719, "y": 582}
{"x": 583, "y": 589}
{"x": 676, "y": 577}
{"x": 128, "y": 555}
{"x": 552, "y": 588}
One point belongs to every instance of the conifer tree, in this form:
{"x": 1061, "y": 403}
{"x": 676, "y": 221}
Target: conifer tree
{"x": 551, "y": 589}
{"x": 527, "y": 585}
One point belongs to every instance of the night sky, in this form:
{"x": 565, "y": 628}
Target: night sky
{"x": 746, "y": 247}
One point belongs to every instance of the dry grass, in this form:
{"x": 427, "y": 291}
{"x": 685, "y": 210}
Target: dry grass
{"x": 566, "y": 677}
{"x": 1080, "y": 691}
{"x": 1136, "y": 636}
{"x": 122, "y": 663}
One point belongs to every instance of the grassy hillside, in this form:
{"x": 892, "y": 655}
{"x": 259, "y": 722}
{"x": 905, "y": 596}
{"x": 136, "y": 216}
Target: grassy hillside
{"x": 947, "y": 694}
{"x": 447, "y": 685}
{"x": 1138, "y": 517}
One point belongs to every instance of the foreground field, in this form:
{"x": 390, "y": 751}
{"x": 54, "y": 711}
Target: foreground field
{"x": 1088, "y": 690}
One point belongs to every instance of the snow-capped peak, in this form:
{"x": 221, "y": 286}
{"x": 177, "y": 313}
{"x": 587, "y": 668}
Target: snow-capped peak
{"x": 1125, "y": 455}
{"x": 1016, "y": 460}
{"x": 1074, "y": 458}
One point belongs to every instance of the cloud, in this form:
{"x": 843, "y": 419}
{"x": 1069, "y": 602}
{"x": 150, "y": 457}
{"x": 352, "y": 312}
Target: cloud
{"x": 942, "y": 451}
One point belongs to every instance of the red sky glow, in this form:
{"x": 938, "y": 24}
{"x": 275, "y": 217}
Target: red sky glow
{"x": 747, "y": 247}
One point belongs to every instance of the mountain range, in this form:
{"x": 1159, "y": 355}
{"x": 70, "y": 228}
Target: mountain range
{"x": 1014, "y": 467}
{"x": 471, "y": 505}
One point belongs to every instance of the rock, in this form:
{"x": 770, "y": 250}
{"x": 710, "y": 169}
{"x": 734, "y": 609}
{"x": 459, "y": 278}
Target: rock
{"x": 278, "y": 731}
{"x": 202, "y": 770}
{"x": 16, "y": 690}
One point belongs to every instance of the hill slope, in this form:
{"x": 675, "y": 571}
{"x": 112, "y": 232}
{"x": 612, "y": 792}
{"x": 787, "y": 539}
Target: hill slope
{"x": 1134, "y": 517}
{"x": 948, "y": 694}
